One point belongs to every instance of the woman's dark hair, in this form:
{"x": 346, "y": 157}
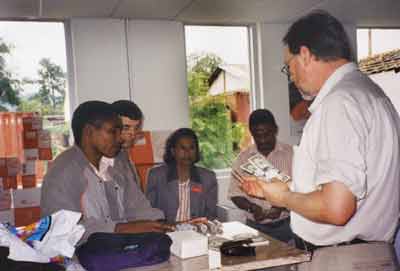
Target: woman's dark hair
{"x": 322, "y": 34}
{"x": 173, "y": 140}
{"x": 90, "y": 112}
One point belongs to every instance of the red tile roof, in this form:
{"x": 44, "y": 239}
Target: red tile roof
{"x": 381, "y": 62}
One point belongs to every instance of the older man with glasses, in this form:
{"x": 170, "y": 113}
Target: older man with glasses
{"x": 345, "y": 195}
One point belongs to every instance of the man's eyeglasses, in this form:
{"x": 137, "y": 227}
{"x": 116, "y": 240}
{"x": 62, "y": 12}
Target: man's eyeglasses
{"x": 285, "y": 69}
{"x": 131, "y": 128}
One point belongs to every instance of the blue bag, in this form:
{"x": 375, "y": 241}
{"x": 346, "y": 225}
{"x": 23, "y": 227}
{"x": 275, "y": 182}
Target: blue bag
{"x": 115, "y": 251}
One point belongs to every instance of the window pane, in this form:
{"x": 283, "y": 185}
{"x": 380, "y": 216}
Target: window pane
{"x": 219, "y": 90}
{"x": 379, "y": 57}
{"x": 33, "y": 76}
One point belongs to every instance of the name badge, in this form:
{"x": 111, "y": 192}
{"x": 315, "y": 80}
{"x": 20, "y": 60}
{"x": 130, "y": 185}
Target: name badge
{"x": 197, "y": 188}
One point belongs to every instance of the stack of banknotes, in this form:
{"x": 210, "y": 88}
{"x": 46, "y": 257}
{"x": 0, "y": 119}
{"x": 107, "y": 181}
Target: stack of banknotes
{"x": 260, "y": 167}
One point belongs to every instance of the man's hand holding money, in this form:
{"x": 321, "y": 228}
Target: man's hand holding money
{"x": 274, "y": 192}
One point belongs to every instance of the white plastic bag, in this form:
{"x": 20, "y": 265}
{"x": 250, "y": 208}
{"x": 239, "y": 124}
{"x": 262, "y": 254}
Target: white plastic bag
{"x": 52, "y": 236}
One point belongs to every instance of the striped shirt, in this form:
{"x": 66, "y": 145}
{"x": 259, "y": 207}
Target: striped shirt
{"x": 183, "y": 213}
{"x": 280, "y": 157}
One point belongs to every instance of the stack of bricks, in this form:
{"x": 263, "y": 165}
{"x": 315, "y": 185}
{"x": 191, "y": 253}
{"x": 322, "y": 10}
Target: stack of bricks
{"x": 25, "y": 149}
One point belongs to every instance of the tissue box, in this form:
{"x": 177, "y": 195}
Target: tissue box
{"x": 186, "y": 244}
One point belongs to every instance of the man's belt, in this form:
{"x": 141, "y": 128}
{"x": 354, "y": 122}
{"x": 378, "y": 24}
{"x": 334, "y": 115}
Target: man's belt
{"x": 304, "y": 245}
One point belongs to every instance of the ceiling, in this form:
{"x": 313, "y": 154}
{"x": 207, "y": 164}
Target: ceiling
{"x": 372, "y": 13}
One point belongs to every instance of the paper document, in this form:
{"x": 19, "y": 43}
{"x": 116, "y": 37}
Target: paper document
{"x": 236, "y": 231}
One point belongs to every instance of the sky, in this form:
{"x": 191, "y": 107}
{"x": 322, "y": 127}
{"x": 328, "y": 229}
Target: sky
{"x": 30, "y": 42}
{"x": 229, "y": 42}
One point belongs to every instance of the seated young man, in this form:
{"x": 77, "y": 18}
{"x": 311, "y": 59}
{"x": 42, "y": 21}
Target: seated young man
{"x": 78, "y": 180}
{"x": 263, "y": 216}
{"x": 132, "y": 123}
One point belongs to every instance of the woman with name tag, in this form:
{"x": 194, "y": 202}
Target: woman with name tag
{"x": 182, "y": 190}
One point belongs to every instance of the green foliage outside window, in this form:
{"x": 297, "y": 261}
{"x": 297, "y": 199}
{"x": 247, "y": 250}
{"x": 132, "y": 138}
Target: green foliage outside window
{"x": 52, "y": 84}
{"x": 49, "y": 100}
{"x": 210, "y": 116}
{"x": 10, "y": 87}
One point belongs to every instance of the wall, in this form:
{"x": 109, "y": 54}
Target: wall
{"x": 274, "y": 84}
{"x": 389, "y": 82}
{"x": 158, "y": 73}
{"x": 97, "y": 63}
{"x": 155, "y": 76}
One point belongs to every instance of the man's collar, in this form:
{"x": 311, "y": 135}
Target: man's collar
{"x": 335, "y": 77}
{"x": 104, "y": 162}
{"x": 278, "y": 147}
{"x": 81, "y": 157}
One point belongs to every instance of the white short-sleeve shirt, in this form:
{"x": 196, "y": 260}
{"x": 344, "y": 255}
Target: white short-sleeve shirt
{"x": 352, "y": 137}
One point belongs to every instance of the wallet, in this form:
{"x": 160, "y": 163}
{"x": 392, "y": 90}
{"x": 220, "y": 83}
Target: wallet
{"x": 238, "y": 248}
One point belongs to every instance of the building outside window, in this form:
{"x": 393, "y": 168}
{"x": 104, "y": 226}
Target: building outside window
{"x": 33, "y": 128}
{"x": 219, "y": 88}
